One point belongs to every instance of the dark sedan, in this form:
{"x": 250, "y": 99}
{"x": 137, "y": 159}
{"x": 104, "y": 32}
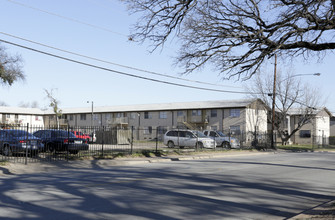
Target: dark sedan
{"x": 19, "y": 141}
{"x": 61, "y": 140}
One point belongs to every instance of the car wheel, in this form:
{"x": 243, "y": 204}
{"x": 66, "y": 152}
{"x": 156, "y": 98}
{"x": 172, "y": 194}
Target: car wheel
{"x": 226, "y": 145}
{"x": 170, "y": 144}
{"x": 7, "y": 151}
{"x": 50, "y": 148}
{"x": 199, "y": 145}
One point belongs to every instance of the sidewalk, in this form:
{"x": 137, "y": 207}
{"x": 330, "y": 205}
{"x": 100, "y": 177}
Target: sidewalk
{"x": 19, "y": 168}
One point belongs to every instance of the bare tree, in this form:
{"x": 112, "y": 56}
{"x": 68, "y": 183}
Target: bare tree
{"x": 54, "y": 105}
{"x": 235, "y": 36}
{"x": 291, "y": 95}
{"x": 10, "y": 68}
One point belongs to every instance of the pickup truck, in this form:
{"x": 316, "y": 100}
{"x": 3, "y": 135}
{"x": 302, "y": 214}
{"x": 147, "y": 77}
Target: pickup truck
{"x": 222, "y": 140}
{"x": 81, "y": 135}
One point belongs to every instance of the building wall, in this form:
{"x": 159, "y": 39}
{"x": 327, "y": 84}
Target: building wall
{"x": 318, "y": 128}
{"x": 22, "y": 120}
{"x": 234, "y": 120}
{"x": 231, "y": 121}
{"x": 332, "y": 127}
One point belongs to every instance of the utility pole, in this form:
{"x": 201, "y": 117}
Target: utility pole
{"x": 274, "y": 104}
{"x": 91, "y": 113}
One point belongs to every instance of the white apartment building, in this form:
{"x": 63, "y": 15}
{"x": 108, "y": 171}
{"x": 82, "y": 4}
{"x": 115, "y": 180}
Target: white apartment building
{"x": 17, "y": 116}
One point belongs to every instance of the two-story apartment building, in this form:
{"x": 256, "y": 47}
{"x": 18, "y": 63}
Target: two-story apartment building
{"x": 150, "y": 120}
{"x": 234, "y": 115}
{"x": 317, "y": 131}
{"x": 21, "y": 116}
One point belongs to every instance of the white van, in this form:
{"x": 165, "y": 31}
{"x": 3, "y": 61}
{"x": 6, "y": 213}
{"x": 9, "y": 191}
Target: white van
{"x": 187, "y": 138}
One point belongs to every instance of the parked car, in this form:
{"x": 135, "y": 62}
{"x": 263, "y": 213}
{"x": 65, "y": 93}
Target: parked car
{"x": 61, "y": 140}
{"x": 14, "y": 141}
{"x": 223, "y": 140}
{"x": 81, "y": 135}
{"x": 187, "y": 138}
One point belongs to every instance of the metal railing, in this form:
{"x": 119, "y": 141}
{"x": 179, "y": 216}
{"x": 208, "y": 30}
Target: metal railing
{"x": 107, "y": 141}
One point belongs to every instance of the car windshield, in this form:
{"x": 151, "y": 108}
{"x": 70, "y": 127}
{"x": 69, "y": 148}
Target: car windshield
{"x": 199, "y": 134}
{"x": 221, "y": 134}
{"x": 20, "y": 133}
{"x": 62, "y": 133}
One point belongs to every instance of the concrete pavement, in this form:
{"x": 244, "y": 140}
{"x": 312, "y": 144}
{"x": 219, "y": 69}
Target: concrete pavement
{"x": 19, "y": 168}
{"x": 323, "y": 211}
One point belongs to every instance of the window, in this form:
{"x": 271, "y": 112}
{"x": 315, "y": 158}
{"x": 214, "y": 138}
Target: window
{"x": 163, "y": 115}
{"x": 147, "y": 130}
{"x": 172, "y": 133}
{"x": 235, "y": 113}
{"x": 108, "y": 116}
{"x": 235, "y": 129}
{"x": 133, "y": 115}
{"x": 7, "y": 115}
{"x": 180, "y": 113}
{"x": 71, "y": 117}
{"x": 214, "y": 113}
{"x": 95, "y": 117}
{"x": 119, "y": 115}
{"x": 147, "y": 115}
{"x": 196, "y": 112}
{"x": 305, "y": 133}
{"x": 83, "y": 117}
{"x": 213, "y": 134}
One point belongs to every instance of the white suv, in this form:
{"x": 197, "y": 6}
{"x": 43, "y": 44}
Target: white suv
{"x": 188, "y": 138}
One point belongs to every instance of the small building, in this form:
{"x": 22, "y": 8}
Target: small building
{"x": 16, "y": 116}
{"x": 317, "y": 131}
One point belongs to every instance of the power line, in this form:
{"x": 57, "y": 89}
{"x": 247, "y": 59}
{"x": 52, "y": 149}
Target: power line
{"x": 122, "y": 73}
{"x": 116, "y": 64}
{"x": 67, "y": 18}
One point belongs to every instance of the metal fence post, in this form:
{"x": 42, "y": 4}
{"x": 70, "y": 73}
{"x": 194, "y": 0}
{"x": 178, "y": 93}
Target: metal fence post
{"x": 156, "y": 140}
{"x": 103, "y": 140}
{"x": 26, "y": 159}
{"x": 68, "y": 137}
{"x": 132, "y": 139}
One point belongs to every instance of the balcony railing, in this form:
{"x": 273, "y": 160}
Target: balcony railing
{"x": 181, "y": 119}
{"x": 196, "y": 119}
{"x": 118, "y": 121}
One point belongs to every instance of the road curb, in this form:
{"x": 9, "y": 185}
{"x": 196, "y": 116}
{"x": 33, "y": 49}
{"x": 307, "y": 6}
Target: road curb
{"x": 12, "y": 169}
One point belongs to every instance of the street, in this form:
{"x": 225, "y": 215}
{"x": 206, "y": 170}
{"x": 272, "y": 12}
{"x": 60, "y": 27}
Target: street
{"x": 268, "y": 186}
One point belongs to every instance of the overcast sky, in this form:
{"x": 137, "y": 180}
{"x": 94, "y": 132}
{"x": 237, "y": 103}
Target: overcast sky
{"x": 99, "y": 29}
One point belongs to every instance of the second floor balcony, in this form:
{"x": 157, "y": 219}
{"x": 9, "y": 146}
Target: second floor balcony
{"x": 118, "y": 121}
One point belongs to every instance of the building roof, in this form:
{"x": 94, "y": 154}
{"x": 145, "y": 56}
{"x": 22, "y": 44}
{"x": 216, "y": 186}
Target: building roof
{"x": 136, "y": 108}
{"x": 20, "y": 110}
{"x": 164, "y": 106}
{"x": 301, "y": 111}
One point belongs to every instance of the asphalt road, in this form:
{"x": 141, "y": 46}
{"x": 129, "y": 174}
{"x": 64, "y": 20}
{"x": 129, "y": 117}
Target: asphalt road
{"x": 269, "y": 186}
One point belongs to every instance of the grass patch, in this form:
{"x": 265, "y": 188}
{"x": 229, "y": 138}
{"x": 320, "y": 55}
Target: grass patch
{"x": 295, "y": 147}
{"x": 305, "y": 147}
{"x": 3, "y": 162}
